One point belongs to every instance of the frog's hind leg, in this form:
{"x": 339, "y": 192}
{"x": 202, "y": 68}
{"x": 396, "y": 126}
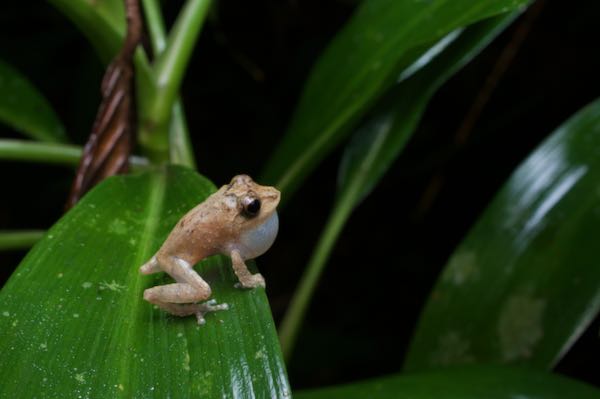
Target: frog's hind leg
{"x": 180, "y": 298}
{"x": 151, "y": 266}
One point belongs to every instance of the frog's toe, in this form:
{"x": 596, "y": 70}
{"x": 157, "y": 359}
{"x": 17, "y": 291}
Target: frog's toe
{"x": 253, "y": 281}
{"x": 206, "y": 307}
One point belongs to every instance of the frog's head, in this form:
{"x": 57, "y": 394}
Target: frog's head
{"x": 254, "y": 221}
{"x": 254, "y": 203}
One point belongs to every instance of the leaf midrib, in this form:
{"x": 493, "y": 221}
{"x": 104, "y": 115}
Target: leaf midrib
{"x": 132, "y": 300}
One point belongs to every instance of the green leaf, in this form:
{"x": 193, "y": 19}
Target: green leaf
{"x": 487, "y": 382}
{"x": 25, "y": 109}
{"x": 524, "y": 284}
{"x": 383, "y": 135}
{"x": 73, "y": 322}
{"x": 382, "y": 39}
{"x": 376, "y": 145}
{"x": 102, "y": 22}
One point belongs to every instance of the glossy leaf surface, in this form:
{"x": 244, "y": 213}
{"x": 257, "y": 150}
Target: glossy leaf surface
{"x": 25, "y": 109}
{"x": 525, "y": 283}
{"x": 378, "y": 142}
{"x": 73, "y": 322}
{"x": 485, "y": 382}
{"x": 382, "y": 39}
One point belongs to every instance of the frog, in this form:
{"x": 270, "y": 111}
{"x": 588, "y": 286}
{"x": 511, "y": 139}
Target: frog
{"x": 239, "y": 220}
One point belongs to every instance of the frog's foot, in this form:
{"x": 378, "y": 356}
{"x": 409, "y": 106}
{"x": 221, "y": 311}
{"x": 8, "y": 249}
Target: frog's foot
{"x": 251, "y": 281}
{"x": 197, "y": 309}
{"x": 209, "y": 306}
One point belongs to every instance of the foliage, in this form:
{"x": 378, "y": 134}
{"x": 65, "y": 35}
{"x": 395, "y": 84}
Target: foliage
{"x": 520, "y": 289}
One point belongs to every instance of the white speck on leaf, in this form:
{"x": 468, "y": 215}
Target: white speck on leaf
{"x": 59, "y": 275}
{"x": 186, "y": 362}
{"x": 520, "y": 326}
{"x": 80, "y": 377}
{"x": 6, "y": 313}
{"x": 260, "y": 354}
{"x": 461, "y": 268}
{"x": 86, "y": 285}
{"x": 76, "y": 315}
{"x": 118, "y": 227}
{"x": 112, "y": 286}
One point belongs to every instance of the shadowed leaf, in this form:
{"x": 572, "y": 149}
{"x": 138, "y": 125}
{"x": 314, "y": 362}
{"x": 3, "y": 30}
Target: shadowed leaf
{"x": 375, "y": 146}
{"x": 378, "y": 46}
{"x": 25, "y": 109}
{"x": 102, "y": 22}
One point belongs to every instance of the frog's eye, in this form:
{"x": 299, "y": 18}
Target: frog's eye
{"x": 251, "y": 206}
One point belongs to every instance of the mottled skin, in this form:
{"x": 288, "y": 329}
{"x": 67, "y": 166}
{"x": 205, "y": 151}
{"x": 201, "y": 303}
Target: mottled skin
{"x": 239, "y": 220}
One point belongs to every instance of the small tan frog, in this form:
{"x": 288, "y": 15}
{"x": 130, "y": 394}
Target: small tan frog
{"x": 239, "y": 220}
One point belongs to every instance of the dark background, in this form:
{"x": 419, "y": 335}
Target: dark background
{"x": 239, "y": 93}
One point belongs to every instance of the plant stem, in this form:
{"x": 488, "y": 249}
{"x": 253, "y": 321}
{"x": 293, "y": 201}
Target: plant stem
{"x": 171, "y": 63}
{"x": 180, "y": 148}
{"x": 21, "y": 150}
{"x": 289, "y": 327}
{"x": 155, "y": 25}
{"x": 10, "y": 240}
{"x": 52, "y": 153}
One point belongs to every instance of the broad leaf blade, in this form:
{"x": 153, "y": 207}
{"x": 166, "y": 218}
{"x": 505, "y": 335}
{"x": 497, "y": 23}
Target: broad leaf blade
{"x": 383, "y": 38}
{"x": 25, "y": 109}
{"x": 381, "y": 138}
{"x": 73, "y": 321}
{"x": 485, "y": 382}
{"x": 525, "y": 282}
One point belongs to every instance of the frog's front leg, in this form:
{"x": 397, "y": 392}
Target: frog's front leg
{"x": 247, "y": 279}
{"x": 180, "y": 298}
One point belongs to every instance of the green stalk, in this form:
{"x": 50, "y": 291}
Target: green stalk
{"x": 52, "y": 153}
{"x": 21, "y": 150}
{"x": 10, "y": 240}
{"x": 290, "y": 325}
{"x": 155, "y": 25}
{"x": 350, "y": 194}
{"x": 180, "y": 148}
{"x": 171, "y": 63}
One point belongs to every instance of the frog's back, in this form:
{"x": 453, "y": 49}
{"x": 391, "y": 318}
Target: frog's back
{"x": 194, "y": 234}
